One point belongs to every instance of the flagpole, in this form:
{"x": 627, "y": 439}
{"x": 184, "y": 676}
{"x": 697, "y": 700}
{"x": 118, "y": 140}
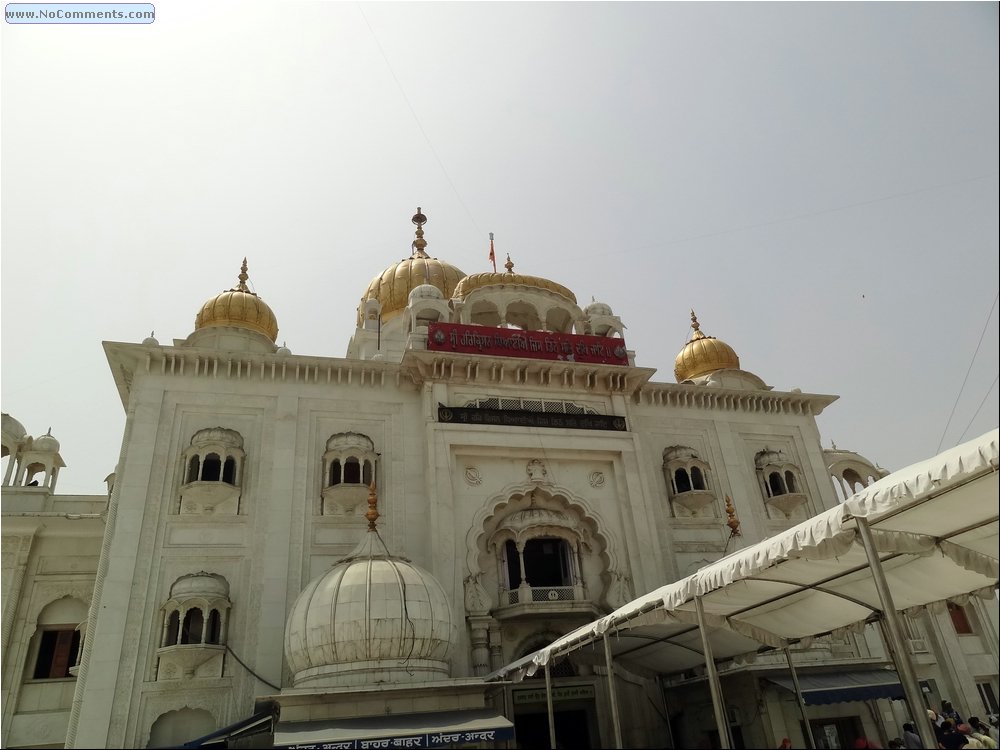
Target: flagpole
{"x": 493, "y": 255}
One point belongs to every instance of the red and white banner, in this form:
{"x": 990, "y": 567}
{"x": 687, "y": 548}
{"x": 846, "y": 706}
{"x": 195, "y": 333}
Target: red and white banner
{"x": 513, "y": 342}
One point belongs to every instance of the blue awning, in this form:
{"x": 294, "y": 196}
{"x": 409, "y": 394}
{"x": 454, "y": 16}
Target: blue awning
{"x": 440, "y": 729}
{"x": 844, "y": 687}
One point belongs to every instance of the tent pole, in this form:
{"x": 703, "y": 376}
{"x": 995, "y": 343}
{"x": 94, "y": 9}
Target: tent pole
{"x": 798, "y": 697}
{"x": 612, "y": 694}
{"x": 666, "y": 709}
{"x": 548, "y": 706}
{"x": 897, "y": 651}
{"x": 713, "y": 679}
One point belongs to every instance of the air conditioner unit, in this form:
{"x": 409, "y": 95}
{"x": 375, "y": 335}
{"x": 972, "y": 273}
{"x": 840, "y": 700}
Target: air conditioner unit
{"x": 917, "y": 645}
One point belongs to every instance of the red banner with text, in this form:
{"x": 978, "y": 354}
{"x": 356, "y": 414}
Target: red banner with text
{"x": 513, "y": 342}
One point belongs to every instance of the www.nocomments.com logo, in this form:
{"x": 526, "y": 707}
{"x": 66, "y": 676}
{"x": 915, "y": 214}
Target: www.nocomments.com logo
{"x": 80, "y": 13}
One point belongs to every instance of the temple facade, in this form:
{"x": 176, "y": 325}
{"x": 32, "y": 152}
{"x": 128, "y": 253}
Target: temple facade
{"x": 339, "y": 538}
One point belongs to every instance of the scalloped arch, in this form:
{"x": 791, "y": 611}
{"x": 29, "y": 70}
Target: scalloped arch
{"x": 499, "y": 501}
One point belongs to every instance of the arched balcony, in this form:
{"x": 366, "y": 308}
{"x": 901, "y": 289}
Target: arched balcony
{"x": 212, "y": 473}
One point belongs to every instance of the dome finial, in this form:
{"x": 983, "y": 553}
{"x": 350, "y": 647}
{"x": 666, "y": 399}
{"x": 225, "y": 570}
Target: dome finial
{"x": 696, "y": 327}
{"x": 509, "y": 265}
{"x": 419, "y": 243}
{"x": 703, "y": 354}
{"x": 242, "y": 286}
{"x": 733, "y": 522}
{"x": 373, "y": 514}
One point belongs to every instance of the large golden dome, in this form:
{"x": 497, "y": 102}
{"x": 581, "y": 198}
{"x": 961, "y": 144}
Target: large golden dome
{"x": 240, "y": 308}
{"x": 392, "y": 287}
{"x": 480, "y": 280}
{"x": 703, "y": 354}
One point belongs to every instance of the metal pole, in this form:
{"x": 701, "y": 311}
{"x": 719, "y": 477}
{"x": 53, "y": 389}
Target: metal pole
{"x": 713, "y": 679}
{"x": 897, "y": 651}
{"x": 506, "y": 710}
{"x": 666, "y": 709}
{"x": 612, "y": 694}
{"x": 798, "y": 696}
{"x": 548, "y": 705}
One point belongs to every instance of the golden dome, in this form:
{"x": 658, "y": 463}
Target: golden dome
{"x": 392, "y": 287}
{"x": 240, "y": 308}
{"x": 703, "y": 354}
{"x": 481, "y": 280}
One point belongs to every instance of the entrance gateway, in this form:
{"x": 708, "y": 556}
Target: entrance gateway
{"x": 574, "y": 712}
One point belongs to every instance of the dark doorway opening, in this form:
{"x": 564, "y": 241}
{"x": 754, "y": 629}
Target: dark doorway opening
{"x": 572, "y": 733}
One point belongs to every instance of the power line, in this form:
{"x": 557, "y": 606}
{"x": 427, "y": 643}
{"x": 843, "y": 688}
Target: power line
{"x": 796, "y": 217}
{"x": 417, "y": 120}
{"x": 988, "y": 392}
{"x": 960, "y": 390}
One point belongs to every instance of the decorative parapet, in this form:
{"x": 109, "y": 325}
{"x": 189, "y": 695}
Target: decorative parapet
{"x": 756, "y": 402}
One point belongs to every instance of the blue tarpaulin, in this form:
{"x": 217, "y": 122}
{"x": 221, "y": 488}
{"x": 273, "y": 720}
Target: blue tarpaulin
{"x": 843, "y": 687}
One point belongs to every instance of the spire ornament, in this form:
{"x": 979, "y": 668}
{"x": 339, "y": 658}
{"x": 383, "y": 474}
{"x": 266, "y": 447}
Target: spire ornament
{"x": 419, "y": 243}
{"x": 696, "y": 327}
{"x": 372, "y": 513}
{"x": 731, "y": 520}
{"x": 509, "y": 265}
{"x": 243, "y": 277}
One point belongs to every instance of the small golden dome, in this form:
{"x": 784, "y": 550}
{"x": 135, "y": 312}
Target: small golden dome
{"x": 392, "y": 287}
{"x": 481, "y": 280}
{"x": 240, "y": 308}
{"x": 703, "y": 354}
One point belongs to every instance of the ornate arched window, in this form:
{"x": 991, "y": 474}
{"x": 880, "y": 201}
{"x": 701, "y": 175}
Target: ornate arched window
{"x": 213, "y": 469}
{"x": 780, "y": 483}
{"x": 348, "y": 470}
{"x": 56, "y": 644}
{"x": 850, "y": 471}
{"x": 193, "y": 633}
{"x": 688, "y": 480}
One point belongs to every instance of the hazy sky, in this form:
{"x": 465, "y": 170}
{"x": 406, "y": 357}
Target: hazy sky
{"x": 819, "y": 181}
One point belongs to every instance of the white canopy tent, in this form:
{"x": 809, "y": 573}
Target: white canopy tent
{"x": 917, "y": 538}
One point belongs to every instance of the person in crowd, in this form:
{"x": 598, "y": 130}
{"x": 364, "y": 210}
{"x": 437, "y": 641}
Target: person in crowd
{"x": 896, "y": 743}
{"x": 982, "y": 733}
{"x": 786, "y": 744}
{"x": 911, "y": 740}
{"x": 863, "y": 742}
{"x": 948, "y": 712}
{"x": 936, "y": 722}
{"x": 972, "y": 743}
{"x": 950, "y": 738}
{"x": 993, "y": 728}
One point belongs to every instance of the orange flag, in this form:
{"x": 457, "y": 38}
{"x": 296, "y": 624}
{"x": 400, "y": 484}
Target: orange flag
{"x": 493, "y": 255}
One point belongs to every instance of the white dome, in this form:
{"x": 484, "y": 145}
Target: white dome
{"x": 371, "y": 618}
{"x": 200, "y": 585}
{"x": 597, "y": 308}
{"x": 282, "y": 351}
{"x": 150, "y": 340}
{"x": 46, "y": 443}
{"x": 425, "y": 291}
{"x": 12, "y": 428}
{"x": 350, "y": 440}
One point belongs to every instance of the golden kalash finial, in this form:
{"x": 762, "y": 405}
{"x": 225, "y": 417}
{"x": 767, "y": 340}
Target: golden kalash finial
{"x": 696, "y": 327}
{"x": 372, "y": 514}
{"x": 509, "y": 265}
{"x": 731, "y": 520}
{"x": 419, "y": 243}
{"x": 242, "y": 286}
